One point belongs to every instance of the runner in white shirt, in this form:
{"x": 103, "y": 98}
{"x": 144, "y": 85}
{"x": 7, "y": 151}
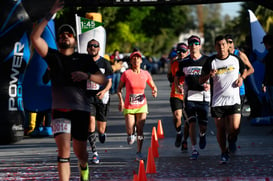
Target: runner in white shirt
{"x": 223, "y": 69}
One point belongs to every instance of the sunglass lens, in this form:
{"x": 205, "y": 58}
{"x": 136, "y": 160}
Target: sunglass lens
{"x": 93, "y": 45}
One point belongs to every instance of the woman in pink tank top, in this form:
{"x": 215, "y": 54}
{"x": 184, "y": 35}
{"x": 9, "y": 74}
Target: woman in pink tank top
{"x": 134, "y": 107}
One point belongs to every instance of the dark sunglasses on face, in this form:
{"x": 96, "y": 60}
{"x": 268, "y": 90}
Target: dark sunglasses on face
{"x": 92, "y": 45}
{"x": 181, "y": 51}
{"x": 194, "y": 42}
{"x": 62, "y": 35}
{"x": 230, "y": 41}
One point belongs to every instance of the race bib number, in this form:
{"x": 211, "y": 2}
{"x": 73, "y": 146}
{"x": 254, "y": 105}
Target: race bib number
{"x": 61, "y": 125}
{"x": 137, "y": 98}
{"x": 92, "y": 85}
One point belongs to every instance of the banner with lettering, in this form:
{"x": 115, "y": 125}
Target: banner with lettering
{"x": 88, "y": 29}
{"x": 14, "y": 57}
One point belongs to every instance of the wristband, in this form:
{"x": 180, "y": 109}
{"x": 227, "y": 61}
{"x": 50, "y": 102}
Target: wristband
{"x": 48, "y": 16}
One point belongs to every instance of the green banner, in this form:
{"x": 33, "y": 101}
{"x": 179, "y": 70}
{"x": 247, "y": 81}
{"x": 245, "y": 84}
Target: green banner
{"x": 88, "y": 24}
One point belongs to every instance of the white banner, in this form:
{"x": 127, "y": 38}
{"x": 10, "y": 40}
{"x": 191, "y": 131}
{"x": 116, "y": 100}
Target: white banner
{"x": 88, "y": 29}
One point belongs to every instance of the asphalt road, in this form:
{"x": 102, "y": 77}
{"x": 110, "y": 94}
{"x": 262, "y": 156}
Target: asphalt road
{"x": 35, "y": 158}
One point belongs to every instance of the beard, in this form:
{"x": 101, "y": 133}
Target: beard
{"x": 65, "y": 45}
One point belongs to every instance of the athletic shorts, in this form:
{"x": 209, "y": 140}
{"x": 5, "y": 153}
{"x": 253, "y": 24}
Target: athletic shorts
{"x": 223, "y": 111}
{"x": 79, "y": 122}
{"x": 197, "y": 110}
{"x": 143, "y": 109}
{"x": 100, "y": 111}
{"x": 176, "y": 103}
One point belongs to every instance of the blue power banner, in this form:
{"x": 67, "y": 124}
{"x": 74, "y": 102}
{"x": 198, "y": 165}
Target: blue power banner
{"x": 37, "y": 93}
{"x": 15, "y": 27}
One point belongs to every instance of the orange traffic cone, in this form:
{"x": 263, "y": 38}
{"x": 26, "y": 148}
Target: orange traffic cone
{"x": 160, "y": 133}
{"x": 154, "y": 147}
{"x": 155, "y": 136}
{"x": 135, "y": 176}
{"x": 141, "y": 171}
{"x": 150, "y": 166}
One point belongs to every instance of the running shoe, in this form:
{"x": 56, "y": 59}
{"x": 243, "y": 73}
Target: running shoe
{"x": 131, "y": 139}
{"x": 184, "y": 146}
{"x": 194, "y": 155}
{"x": 232, "y": 147}
{"x": 102, "y": 137}
{"x": 95, "y": 158}
{"x": 202, "y": 141}
{"x": 178, "y": 140}
{"x": 47, "y": 131}
{"x": 84, "y": 173}
{"x": 139, "y": 156}
{"x": 224, "y": 158}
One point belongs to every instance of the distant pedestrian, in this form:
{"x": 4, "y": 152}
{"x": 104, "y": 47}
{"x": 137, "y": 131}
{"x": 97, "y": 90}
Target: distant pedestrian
{"x": 135, "y": 106}
{"x": 177, "y": 97}
{"x": 268, "y": 77}
{"x": 197, "y": 96}
{"x": 223, "y": 69}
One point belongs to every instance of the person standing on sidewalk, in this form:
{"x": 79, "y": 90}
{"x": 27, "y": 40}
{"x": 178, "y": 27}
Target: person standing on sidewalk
{"x": 250, "y": 70}
{"x": 227, "y": 73}
{"x": 135, "y": 106}
{"x": 99, "y": 99}
{"x": 176, "y": 97}
{"x": 69, "y": 72}
{"x": 267, "y": 86}
{"x": 197, "y": 96}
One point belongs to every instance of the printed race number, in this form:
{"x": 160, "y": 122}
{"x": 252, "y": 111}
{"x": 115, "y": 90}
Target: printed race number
{"x": 61, "y": 125}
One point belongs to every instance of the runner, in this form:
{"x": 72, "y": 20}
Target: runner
{"x": 135, "y": 106}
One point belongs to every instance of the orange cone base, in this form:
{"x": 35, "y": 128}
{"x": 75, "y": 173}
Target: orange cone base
{"x": 141, "y": 171}
{"x": 150, "y": 167}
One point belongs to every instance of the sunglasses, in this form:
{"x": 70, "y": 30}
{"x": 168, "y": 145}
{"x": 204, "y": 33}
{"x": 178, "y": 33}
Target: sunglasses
{"x": 181, "y": 51}
{"x": 63, "y": 34}
{"x": 92, "y": 45}
{"x": 195, "y": 43}
{"x": 230, "y": 42}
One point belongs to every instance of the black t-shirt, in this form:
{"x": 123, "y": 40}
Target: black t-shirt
{"x": 67, "y": 94}
{"x": 191, "y": 69}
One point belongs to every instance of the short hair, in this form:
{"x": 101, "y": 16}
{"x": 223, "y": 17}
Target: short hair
{"x": 228, "y": 36}
{"x": 219, "y": 38}
{"x": 94, "y": 40}
{"x": 268, "y": 39}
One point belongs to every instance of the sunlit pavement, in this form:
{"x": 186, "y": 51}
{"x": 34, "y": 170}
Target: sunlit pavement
{"x": 35, "y": 158}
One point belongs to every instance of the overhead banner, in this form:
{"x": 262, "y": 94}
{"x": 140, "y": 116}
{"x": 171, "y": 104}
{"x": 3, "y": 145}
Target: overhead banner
{"x": 15, "y": 27}
{"x": 88, "y": 29}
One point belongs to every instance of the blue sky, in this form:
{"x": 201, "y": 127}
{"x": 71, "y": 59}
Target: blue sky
{"x": 231, "y": 9}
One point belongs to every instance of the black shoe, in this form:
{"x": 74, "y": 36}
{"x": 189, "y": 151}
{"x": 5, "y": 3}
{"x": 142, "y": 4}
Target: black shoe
{"x": 202, "y": 141}
{"x": 102, "y": 137}
{"x": 184, "y": 146}
{"x": 232, "y": 147}
{"x": 224, "y": 158}
{"x": 178, "y": 140}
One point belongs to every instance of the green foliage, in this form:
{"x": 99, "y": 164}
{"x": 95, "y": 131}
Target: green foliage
{"x": 155, "y": 29}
